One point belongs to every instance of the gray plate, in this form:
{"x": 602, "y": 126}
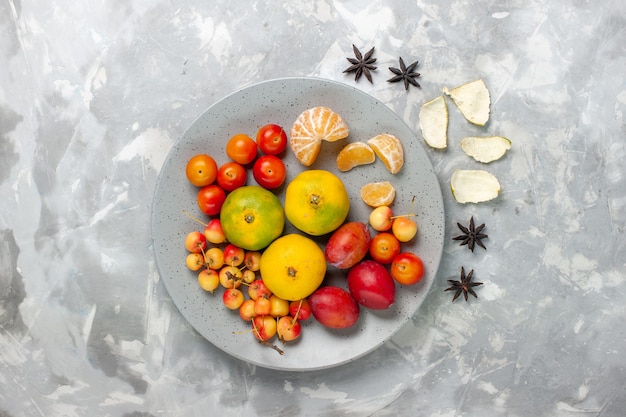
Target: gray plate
{"x": 281, "y": 101}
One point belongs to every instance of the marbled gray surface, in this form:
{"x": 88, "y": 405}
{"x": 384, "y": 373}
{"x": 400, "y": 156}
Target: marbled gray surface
{"x": 94, "y": 94}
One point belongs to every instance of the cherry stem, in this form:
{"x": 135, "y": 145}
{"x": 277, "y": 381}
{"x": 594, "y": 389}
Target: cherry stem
{"x": 256, "y": 330}
{"x": 195, "y": 219}
{"x": 204, "y": 257}
{"x": 268, "y": 344}
{"x": 245, "y": 331}
{"x": 295, "y": 316}
{"x": 403, "y": 215}
{"x": 411, "y": 214}
{"x": 264, "y": 342}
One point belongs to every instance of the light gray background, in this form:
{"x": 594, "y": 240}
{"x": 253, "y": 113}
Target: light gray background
{"x": 92, "y": 96}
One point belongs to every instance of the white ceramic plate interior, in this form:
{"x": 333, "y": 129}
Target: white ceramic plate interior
{"x": 281, "y": 101}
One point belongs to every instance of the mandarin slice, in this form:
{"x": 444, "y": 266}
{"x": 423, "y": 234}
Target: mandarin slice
{"x": 305, "y": 149}
{"x": 313, "y": 126}
{"x": 355, "y": 154}
{"x": 389, "y": 149}
{"x": 376, "y": 194}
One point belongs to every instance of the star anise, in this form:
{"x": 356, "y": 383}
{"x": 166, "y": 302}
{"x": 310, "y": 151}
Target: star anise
{"x": 406, "y": 74}
{"x": 471, "y": 236}
{"x": 464, "y": 285}
{"x": 361, "y": 65}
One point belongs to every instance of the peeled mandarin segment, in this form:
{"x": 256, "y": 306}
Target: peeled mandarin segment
{"x": 329, "y": 126}
{"x": 305, "y": 149}
{"x": 485, "y": 149}
{"x": 355, "y": 154}
{"x": 389, "y": 149}
{"x": 376, "y": 194}
{"x": 433, "y": 119}
{"x": 473, "y": 101}
{"x": 313, "y": 126}
{"x": 474, "y": 186}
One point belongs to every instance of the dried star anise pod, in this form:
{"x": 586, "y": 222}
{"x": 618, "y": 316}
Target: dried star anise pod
{"x": 471, "y": 236}
{"x": 361, "y": 65}
{"x": 406, "y": 74}
{"x": 464, "y": 285}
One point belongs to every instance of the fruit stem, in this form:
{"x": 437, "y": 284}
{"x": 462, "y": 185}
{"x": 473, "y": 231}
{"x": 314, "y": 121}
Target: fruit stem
{"x": 410, "y": 214}
{"x": 244, "y": 331}
{"x": 204, "y": 257}
{"x": 195, "y": 219}
{"x": 276, "y": 348}
{"x": 256, "y": 330}
{"x": 403, "y": 215}
{"x": 295, "y": 316}
{"x": 315, "y": 200}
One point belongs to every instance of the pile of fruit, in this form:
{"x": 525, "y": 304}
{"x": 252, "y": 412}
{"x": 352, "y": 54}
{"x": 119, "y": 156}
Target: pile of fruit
{"x": 275, "y": 280}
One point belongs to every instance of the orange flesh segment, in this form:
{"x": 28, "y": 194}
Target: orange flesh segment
{"x": 355, "y": 154}
{"x": 313, "y": 126}
{"x": 376, "y": 194}
{"x": 389, "y": 149}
